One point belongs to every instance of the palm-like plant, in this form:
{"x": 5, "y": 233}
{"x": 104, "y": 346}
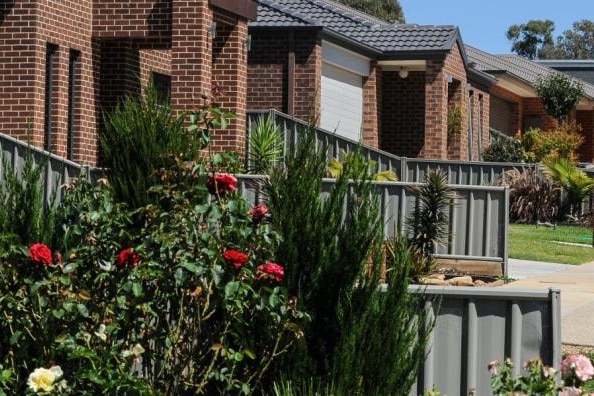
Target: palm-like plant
{"x": 577, "y": 184}
{"x": 265, "y": 145}
{"x": 428, "y": 225}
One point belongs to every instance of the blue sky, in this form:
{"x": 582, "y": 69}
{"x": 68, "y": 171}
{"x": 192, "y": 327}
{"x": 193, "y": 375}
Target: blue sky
{"x": 483, "y": 23}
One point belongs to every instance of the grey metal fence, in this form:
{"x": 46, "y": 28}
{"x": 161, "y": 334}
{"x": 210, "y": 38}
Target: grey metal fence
{"x": 57, "y": 170}
{"x": 478, "y": 216}
{"x": 411, "y": 170}
{"x": 475, "y": 326}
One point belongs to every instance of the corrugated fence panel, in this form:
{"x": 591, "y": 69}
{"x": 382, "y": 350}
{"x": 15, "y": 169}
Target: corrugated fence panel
{"x": 476, "y": 229}
{"x": 477, "y": 326}
{"x": 57, "y": 171}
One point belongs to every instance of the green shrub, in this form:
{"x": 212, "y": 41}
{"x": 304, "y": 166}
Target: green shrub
{"x": 266, "y": 143}
{"x": 561, "y": 142}
{"x": 533, "y": 196}
{"x": 337, "y": 279}
{"x": 559, "y": 94}
{"x": 503, "y": 149}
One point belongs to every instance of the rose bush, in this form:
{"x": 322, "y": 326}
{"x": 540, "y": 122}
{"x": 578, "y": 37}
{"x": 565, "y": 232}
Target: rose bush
{"x": 165, "y": 298}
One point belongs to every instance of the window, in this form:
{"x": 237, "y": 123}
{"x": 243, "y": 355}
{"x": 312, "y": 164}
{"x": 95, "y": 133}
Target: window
{"x": 162, "y": 83}
{"x": 72, "y": 101}
{"x": 51, "y": 54}
{"x": 532, "y": 121}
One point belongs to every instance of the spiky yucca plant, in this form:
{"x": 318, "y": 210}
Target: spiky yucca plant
{"x": 428, "y": 225}
{"x": 266, "y": 143}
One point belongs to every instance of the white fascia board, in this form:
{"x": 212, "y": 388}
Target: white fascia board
{"x": 345, "y": 59}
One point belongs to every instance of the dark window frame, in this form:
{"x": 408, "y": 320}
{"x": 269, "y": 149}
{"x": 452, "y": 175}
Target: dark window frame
{"x": 51, "y": 55}
{"x": 73, "y": 81}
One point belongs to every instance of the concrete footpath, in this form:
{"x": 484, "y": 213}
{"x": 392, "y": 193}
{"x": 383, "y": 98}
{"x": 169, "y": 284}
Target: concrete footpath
{"x": 576, "y": 283}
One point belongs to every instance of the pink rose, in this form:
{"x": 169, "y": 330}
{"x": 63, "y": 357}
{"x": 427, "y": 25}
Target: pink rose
{"x": 220, "y": 183}
{"x": 235, "y": 258}
{"x": 577, "y": 365}
{"x": 40, "y": 253}
{"x": 257, "y": 213}
{"x": 128, "y": 257}
{"x": 271, "y": 270}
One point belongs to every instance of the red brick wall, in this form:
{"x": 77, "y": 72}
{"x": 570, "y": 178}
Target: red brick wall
{"x": 516, "y": 101}
{"x": 131, "y": 18}
{"x": 454, "y": 66}
{"x": 403, "y": 114}
{"x": 585, "y": 118}
{"x": 229, "y": 75}
{"x": 268, "y": 73}
{"x": 26, "y": 27}
{"x": 480, "y": 121}
{"x": 533, "y": 107}
{"x": 371, "y": 105}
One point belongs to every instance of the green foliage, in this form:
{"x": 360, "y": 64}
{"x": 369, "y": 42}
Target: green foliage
{"x": 533, "y": 196}
{"x": 504, "y": 149}
{"x": 454, "y": 123}
{"x": 540, "y": 379}
{"x": 266, "y": 143}
{"x": 428, "y": 225}
{"x": 336, "y": 279}
{"x": 25, "y": 217}
{"x": 574, "y": 181}
{"x": 561, "y": 142}
{"x": 383, "y": 344}
{"x": 388, "y": 10}
{"x": 532, "y": 40}
{"x": 559, "y": 94}
{"x": 362, "y": 166}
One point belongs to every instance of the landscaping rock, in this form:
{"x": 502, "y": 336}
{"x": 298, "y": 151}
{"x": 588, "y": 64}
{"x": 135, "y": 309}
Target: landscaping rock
{"x": 479, "y": 283}
{"x": 499, "y": 282}
{"x": 461, "y": 281}
{"x": 433, "y": 281}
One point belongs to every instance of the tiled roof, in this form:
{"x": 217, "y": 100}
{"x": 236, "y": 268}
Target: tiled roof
{"x": 354, "y": 25}
{"x": 521, "y": 68}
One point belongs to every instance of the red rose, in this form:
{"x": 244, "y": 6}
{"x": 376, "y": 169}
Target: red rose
{"x": 270, "y": 269}
{"x": 220, "y": 183}
{"x": 128, "y": 257}
{"x": 40, "y": 253}
{"x": 235, "y": 258}
{"x": 257, "y": 213}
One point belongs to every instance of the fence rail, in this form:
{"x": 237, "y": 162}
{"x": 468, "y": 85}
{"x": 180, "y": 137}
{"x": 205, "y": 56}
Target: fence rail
{"x": 57, "y": 172}
{"x": 475, "y": 326}
{"x": 411, "y": 170}
{"x": 478, "y": 216}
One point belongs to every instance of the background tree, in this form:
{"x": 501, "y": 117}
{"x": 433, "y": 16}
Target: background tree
{"x": 535, "y": 40}
{"x": 389, "y": 10}
{"x": 579, "y": 42}
{"x": 559, "y": 94}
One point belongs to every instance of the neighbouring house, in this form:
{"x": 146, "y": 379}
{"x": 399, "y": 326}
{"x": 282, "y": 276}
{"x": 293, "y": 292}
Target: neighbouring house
{"x": 578, "y": 68}
{"x": 392, "y": 86}
{"x": 62, "y": 63}
{"x": 514, "y": 104}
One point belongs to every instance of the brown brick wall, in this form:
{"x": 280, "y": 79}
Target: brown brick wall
{"x": 26, "y": 27}
{"x": 454, "y": 66}
{"x": 516, "y": 108}
{"x": 132, "y": 18}
{"x": 229, "y": 77}
{"x": 585, "y": 118}
{"x": 403, "y": 114}
{"x": 482, "y": 118}
{"x": 268, "y": 73}
{"x": 532, "y": 107}
{"x": 480, "y": 121}
{"x": 371, "y": 107}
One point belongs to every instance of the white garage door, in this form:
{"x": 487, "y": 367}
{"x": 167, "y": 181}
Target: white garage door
{"x": 342, "y": 101}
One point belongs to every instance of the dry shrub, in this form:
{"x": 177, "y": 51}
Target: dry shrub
{"x": 560, "y": 142}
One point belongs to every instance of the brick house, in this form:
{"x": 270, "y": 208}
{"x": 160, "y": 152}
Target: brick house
{"x": 515, "y": 106}
{"x": 62, "y": 63}
{"x": 392, "y": 86}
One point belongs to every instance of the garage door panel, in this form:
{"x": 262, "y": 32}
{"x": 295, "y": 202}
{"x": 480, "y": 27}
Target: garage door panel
{"x": 342, "y": 101}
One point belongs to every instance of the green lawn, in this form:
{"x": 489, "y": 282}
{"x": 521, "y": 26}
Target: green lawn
{"x": 529, "y": 242}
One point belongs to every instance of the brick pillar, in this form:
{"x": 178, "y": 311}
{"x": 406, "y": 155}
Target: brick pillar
{"x": 370, "y": 107}
{"x": 458, "y": 98}
{"x": 229, "y": 75}
{"x": 436, "y": 111}
{"x": 191, "y": 53}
